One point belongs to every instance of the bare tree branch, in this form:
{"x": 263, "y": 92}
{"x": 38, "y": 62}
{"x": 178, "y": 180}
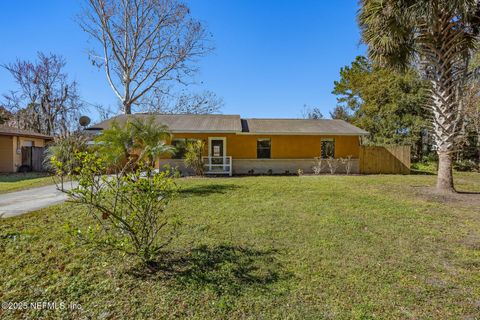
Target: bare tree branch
{"x": 145, "y": 43}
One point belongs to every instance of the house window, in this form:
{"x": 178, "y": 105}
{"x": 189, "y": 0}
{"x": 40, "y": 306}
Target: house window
{"x": 327, "y": 148}
{"x": 264, "y": 147}
{"x": 180, "y": 147}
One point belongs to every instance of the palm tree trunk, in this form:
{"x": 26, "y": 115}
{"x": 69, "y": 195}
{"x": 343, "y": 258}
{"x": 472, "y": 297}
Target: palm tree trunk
{"x": 445, "y": 174}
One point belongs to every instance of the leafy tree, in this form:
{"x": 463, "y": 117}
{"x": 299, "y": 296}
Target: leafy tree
{"x": 438, "y": 38}
{"x": 471, "y": 150}
{"x": 340, "y": 113}
{"x": 194, "y": 157}
{"x": 5, "y": 115}
{"x": 386, "y": 103}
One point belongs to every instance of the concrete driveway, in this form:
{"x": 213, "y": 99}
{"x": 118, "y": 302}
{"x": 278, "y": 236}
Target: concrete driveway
{"x": 20, "y": 202}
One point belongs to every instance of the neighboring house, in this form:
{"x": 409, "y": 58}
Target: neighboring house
{"x": 258, "y": 146}
{"x": 21, "y": 148}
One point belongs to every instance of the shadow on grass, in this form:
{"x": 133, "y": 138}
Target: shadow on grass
{"x": 422, "y": 172}
{"x": 207, "y": 189}
{"x": 469, "y": 192}
{"x": 223, "y": 269}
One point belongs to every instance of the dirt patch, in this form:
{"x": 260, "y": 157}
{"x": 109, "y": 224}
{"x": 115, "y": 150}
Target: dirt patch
{"x": 463, "y": 199}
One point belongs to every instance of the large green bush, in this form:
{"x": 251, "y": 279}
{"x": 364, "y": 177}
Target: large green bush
{"x": 129, "y": 205}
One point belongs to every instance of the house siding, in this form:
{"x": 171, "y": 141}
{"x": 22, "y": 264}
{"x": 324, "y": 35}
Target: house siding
{"x": 20, "y": 142}
{"x": 7, "y": 153}
{"x": 244, "y": 146}
{"x": 10, "y": 159}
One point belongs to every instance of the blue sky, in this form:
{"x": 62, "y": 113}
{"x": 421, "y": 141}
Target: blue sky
{"x": 271, "y": 56}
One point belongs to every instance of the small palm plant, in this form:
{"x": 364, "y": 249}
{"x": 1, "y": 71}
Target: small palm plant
{"x": 137, "y": 141}
{"x": 194, "y": 157}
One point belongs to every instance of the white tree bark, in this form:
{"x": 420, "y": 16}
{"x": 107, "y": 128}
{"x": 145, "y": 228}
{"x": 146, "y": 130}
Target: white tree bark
{"x": 144, "y": 43}
{"x": 445, "y": 63}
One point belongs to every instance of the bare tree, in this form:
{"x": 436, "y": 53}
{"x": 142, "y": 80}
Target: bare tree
{"x": 206, "y": 102}
{"x": 144, "y": 44}
{"x": 46, "y": 102}
{"x": 104, "y": 112}
{"x": 311, "y": 113}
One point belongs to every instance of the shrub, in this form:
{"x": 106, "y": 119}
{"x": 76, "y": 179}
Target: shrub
{"x": 60, "y": 156}
{"x": 465, "y": 165}
{"x": 347, "y": 163}
{"x": 332, "y": 165}
{"x": 194, "y": 157}
{"x": 129, "y": 208}
{"x": 318, "y": 165}
{"x": 299, "y": 172}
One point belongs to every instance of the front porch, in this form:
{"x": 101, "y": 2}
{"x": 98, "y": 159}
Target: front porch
{"x": 218, "y": 165}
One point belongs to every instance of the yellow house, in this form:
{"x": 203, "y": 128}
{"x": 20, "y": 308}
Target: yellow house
{"x": 258, "y": 146}
{"x": 21, "y": 149}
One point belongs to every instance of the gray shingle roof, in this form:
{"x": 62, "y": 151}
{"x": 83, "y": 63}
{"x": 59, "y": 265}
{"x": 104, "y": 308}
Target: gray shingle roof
{"x": 11, "y": 131}
{"x": 179, "y": 123}
{"x": 184, "y": 122}
{"x": 300, "y": 126}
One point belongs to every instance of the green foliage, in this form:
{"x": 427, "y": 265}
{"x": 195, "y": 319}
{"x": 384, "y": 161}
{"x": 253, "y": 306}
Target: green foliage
{"x": 397, "y": 31}
{"x": 466, "y": 165}
{"x": 138, "y": 140}
{"x": 60, "y": 157}
{"x": 386, "y": 103}
{"x": 194, "y": 157}
{"x": 129, "y": 208}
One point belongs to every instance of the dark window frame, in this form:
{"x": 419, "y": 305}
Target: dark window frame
{"x": 327, "y": 152}
{"x": 264, "y": 152}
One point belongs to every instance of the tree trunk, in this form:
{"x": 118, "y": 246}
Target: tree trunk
{"x": 127, "y": 107}
{"x": 478, "y": 152}
{"x": 445, "y": 174}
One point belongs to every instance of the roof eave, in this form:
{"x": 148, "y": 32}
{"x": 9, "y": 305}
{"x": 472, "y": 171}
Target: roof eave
{"x": 307, "y": 133}
{"x": 26, "y": 135}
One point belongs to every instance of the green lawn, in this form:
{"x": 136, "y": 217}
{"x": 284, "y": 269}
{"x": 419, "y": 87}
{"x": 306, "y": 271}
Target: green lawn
{"x": 328, "y": 247}
{"x": 19, "y": 181}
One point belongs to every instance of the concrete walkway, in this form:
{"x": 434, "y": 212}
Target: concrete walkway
{"x": 19, "y": 202}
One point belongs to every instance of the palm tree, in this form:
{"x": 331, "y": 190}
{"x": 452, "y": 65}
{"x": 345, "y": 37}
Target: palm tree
{"x": 150, "y": 138}
{"x": 138, "y": 140}
{"x": 438, "y": 37}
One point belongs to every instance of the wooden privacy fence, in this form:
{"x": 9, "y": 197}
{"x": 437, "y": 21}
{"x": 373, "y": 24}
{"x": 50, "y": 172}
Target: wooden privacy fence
{"x": 33, "y": 157}
{"x": 385, "y": 159}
